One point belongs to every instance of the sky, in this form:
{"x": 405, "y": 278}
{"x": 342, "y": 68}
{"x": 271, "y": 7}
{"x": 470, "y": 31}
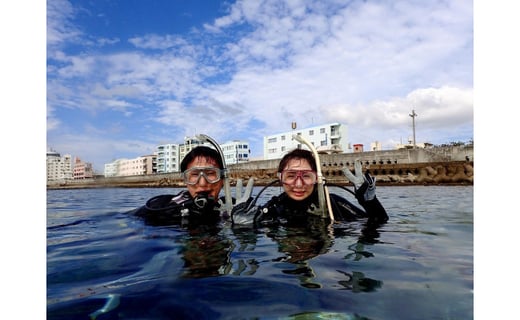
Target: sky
{"x": 126, "y": 76}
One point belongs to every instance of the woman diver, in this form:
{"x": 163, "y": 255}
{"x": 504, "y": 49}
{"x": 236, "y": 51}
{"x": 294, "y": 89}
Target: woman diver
{"x": 299, "y": 174}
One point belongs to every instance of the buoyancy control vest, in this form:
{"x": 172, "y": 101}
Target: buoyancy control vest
{"x": 282, "y": 209}
{"x": 181, "y": 208}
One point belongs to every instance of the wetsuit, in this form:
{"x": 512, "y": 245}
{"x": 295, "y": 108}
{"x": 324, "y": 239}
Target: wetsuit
{"x": 181, "y": 209}
{"x": 282, "y": 209}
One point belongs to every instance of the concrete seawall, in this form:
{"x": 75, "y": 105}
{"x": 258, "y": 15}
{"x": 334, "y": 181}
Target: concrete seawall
{"x": 449, "y": 165}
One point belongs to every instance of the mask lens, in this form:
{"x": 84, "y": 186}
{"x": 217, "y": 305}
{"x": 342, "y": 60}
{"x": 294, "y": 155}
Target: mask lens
{"x": 192, "y": 176}
{"x": 290, "y": 176}
{"x": 211, "y": 175}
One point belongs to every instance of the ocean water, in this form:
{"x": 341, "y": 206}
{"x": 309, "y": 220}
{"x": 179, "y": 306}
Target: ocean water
{"x": 103, "y": 263}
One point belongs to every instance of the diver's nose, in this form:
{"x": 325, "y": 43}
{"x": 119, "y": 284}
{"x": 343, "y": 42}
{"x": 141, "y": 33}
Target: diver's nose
{"x": 202, "y": 181}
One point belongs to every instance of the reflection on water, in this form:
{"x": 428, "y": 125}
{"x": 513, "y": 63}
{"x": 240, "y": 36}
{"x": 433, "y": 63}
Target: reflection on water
{"x": 420, "y": 260}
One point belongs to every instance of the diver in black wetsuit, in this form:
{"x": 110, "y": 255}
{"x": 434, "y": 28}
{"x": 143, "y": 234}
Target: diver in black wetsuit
{"x": 203, "y": 171}
{"x": 300, "y": 203}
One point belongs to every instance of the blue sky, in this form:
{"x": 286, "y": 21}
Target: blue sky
{"x": 126, "y": 76}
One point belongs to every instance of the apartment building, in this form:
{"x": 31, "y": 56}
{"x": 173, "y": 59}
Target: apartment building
{"x": 167, "y": 158}
{"x": 236, "y": 151}
{"x": 331, "y": 137}
{"x": 131, "y": 167}
{"x": 112, "y": 168}
{"x": 187, "y": 146}
{"x": 58, "y": 167}
{"x": 82, "y": 170}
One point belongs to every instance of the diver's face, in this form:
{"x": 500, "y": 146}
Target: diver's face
{"x": 297, "y": 190}
{"x": 202, "y": 185}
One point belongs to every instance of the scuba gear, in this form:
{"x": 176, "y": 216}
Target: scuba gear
{"x": 247, "y": 212}
{"x": 192, "y": 205}
{"x": 167, "y": 203}
{"x": 281, "y": 209}
{"x": 226, "y": 206}
{"x": 322, "y": 198}
{"x": 289, "y": 177}
{"x": 211, "y": 174}
{"x": 227, "y": 188}
{"x": 203, "y": 202}
{"x": 181, "y": 208}
{"x": 242, "y": 201}
{"x": 364, "y": 184}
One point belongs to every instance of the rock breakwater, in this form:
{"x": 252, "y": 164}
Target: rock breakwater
{"x": 388, "y": 174}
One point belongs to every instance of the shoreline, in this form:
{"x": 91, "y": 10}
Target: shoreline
{"x": 453, "y": 173}
{"x": 379, "y": 184}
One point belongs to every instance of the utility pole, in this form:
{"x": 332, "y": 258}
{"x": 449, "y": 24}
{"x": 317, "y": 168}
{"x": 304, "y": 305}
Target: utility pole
{"x": 413, "y": 115}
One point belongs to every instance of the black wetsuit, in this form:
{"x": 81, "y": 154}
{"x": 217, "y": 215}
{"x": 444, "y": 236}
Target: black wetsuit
{"x": 282, "y": 209}
{"x": 181, "y": 209}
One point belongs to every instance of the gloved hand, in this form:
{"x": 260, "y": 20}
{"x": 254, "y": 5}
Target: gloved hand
{"x": 243, "y": 197}
{"x": 240, "y": 197}
{"x": 244, "y": 214}
{"x": 364, "y": 185}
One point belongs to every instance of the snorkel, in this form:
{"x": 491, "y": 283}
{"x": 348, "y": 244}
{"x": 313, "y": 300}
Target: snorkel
{"x": 323, "y": 192}
{"x": 227, "y": 186}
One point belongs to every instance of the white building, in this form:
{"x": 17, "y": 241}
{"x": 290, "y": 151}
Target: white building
{"x": 130, "y": 167}
{"x": 167, "y": 158}
{"x": 236, "y": 151}
{"x": 331, "y": 137}
{"x": 187, "y": 146}
{"x": 58, "y": 167}
{"x": 136, "y": 166}
{"x": 112, "y": 169}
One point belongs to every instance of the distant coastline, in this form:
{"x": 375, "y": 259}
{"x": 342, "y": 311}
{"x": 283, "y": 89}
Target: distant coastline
{"x": 389, "y": 174}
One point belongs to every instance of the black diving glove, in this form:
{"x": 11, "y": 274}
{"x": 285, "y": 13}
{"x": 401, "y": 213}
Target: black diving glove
{"x": 364, "y": 184}
{"x": 241, "y": 197}
{"x": 244, "y": 213}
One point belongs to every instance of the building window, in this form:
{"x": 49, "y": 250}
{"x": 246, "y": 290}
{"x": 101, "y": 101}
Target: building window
{"x": 322, "y": 130}
{"x": 311, "y": 132}
{"x": 282, "y": 138}
{"x": 271, "y": 140}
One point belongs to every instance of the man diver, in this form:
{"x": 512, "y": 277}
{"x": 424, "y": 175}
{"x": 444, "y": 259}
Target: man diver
{"x": 203, "y": 172}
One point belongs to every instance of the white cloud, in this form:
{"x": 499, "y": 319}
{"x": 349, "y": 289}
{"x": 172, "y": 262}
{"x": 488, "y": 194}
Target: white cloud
{"x": 154, "y": 41}
{"x": 60, "y": 27}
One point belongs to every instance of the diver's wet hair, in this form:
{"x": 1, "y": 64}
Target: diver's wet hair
{"x": 298, "y": 154}
{"x": 201, "y": 151}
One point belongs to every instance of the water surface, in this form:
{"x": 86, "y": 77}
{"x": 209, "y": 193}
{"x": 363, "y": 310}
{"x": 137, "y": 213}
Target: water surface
{"x": 417, "y": 266}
